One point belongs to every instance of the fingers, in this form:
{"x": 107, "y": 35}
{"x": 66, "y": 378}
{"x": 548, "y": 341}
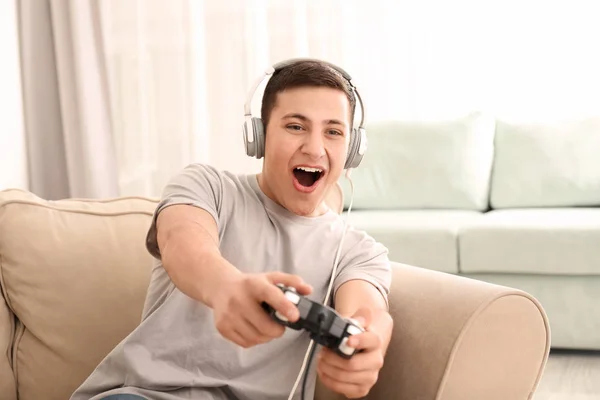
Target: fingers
{"x": 365, "y": 377}
{"x": 365, "y": 341}
{"x": 247, "y": 324}
{"x": 246, "y": 333}
{"x": 365, "y": 361}
{"x": 354, "y": 377}
{"x": 348, "y": 389}
{"x": 290, "y": 280}
{"x": 236, "y": 337}
{"x": 263, "y": 324}
{"x": 273, "y": 296}
{"x": 267, "y": 291}
{"x": 242, "y": 319}
{"x": 242, "y": 333}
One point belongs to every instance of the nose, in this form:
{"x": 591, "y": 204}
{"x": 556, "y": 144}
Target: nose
{"x": 313, "y": 145}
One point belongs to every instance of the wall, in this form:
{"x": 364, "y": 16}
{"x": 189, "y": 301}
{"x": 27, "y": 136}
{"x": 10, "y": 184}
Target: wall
{"x": 13, "y": 166}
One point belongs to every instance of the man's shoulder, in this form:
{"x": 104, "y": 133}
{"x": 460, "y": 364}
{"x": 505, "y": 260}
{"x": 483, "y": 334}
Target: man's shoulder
{"x": 203, "y": 185}
{"x": 361, "y": 241}
{"x": 207, "y": 170}
{"x": 216, "y": 176}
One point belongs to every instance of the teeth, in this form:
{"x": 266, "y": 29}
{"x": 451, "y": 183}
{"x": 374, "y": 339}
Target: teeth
{"x": 308, "y": 169}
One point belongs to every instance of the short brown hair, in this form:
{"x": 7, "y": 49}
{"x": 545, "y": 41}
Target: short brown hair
{"x": 304, "y": 73}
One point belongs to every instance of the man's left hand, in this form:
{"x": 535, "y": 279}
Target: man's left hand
{"x": 354, "y": 377}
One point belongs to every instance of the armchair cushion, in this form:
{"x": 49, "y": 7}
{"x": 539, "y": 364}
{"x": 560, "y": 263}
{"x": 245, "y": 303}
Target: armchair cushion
{"x": 75, "y": 273}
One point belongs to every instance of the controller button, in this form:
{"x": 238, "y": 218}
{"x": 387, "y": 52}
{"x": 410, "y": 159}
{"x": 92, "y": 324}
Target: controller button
{"x": 355, "y": 322}
{"x": 281, "y": 316}
{"x": 293, "y": 297}
{"x": 353, "y": 330}
{"x": 344, "y": 348}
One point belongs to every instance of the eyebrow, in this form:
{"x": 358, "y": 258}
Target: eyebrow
{"x": 306, "y": 119}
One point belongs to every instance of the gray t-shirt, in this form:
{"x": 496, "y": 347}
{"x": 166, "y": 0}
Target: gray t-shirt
{"x": 177, "y": 353}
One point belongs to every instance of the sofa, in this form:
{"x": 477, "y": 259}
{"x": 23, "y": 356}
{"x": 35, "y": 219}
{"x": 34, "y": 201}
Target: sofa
{"x": 73, "y": 276}
{"x": 505, "y": 201}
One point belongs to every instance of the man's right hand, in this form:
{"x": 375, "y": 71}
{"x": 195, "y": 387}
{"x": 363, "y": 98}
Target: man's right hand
{"x": 238, "y": 313}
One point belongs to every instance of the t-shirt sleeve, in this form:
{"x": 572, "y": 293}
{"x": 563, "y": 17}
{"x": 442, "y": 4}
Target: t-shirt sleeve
{"x": 196, "y": 185}
{"x": 364, "y": 259}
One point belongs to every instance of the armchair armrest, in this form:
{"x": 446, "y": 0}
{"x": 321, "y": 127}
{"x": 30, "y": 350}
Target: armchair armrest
{"x": 8, "y": 388}
{"x": 458, "y": 338}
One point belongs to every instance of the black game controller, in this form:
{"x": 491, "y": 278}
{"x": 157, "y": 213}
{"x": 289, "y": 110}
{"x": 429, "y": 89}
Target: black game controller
{"x": 325, "y": 325}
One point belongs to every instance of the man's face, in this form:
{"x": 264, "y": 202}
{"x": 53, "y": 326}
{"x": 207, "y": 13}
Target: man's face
{"x": 305, "y": 150}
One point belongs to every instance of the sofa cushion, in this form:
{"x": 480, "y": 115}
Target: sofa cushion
{"x": 430, "y": 165}
{"x": 75, "y": 274}
{"x": 537, "y": 241}
{"x": 551, "y": 165}
{"x": 424, "y": 238}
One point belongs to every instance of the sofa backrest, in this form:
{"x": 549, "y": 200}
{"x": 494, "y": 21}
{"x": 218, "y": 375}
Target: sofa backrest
{"x": 74, "y": 274}
{"x": 546, "y": 164}
{"x": 425, "y": 165}
{"x": 478, "y": 163}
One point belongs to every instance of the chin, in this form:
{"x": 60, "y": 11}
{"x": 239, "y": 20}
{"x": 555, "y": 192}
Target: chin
{"x": 305, "y": 209}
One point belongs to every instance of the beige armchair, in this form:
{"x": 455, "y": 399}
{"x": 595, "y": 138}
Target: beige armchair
{"x": 73, "y": 276}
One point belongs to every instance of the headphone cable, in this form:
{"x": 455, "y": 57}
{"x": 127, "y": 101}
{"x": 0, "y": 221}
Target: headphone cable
{"x": 312, "y": 353}
{"x": 311, "y": 347}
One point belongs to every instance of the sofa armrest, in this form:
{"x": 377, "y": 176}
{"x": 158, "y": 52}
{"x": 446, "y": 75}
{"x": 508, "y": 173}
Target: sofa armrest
{"x": 8, "y": 387}
{"x": 459, "y": 338}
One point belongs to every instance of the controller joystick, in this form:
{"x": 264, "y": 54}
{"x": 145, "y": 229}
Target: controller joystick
{"x": 324, "y": 324}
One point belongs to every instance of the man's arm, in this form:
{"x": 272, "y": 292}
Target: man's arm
{"x": 355, "y": 377}
{"x": 188, "y": 240}
{"x": 357, "y": 297}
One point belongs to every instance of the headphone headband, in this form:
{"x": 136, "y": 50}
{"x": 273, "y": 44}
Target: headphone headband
{"x": 282, "y": 64}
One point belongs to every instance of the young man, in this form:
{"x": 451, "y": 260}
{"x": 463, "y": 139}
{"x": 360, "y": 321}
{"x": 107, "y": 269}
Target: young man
{"x": 222, "y": 241}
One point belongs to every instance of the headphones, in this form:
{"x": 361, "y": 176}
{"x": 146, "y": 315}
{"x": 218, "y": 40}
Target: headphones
{"x": 254, "y": 130}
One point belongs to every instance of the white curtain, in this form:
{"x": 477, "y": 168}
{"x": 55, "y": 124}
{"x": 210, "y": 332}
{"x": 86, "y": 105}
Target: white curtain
{"x": 13, "y": 161}
{"x": 178, "y": 71}
{"x": 157, "y": 108}
{"x": 68, "y": 132}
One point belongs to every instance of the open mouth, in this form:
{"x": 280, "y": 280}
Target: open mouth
{"x": 307, "y": 177}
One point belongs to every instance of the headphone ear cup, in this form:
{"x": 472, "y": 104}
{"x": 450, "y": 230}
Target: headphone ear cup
{"x": 259, "y": 137}
{"x": 351, "y": 149}
{"x": 356, "y": 148}
{"x": 254, "y": 138}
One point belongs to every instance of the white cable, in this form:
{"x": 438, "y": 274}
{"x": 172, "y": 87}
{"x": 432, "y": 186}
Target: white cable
{"x": 339, "y": 250}
{"x": 335, "y": 265}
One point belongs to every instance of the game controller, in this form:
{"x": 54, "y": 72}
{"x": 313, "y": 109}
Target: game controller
{"x": 324, "y": 324}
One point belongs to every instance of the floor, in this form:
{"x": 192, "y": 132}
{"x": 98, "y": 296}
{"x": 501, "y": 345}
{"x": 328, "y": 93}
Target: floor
{"x": 571, "y": 375}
